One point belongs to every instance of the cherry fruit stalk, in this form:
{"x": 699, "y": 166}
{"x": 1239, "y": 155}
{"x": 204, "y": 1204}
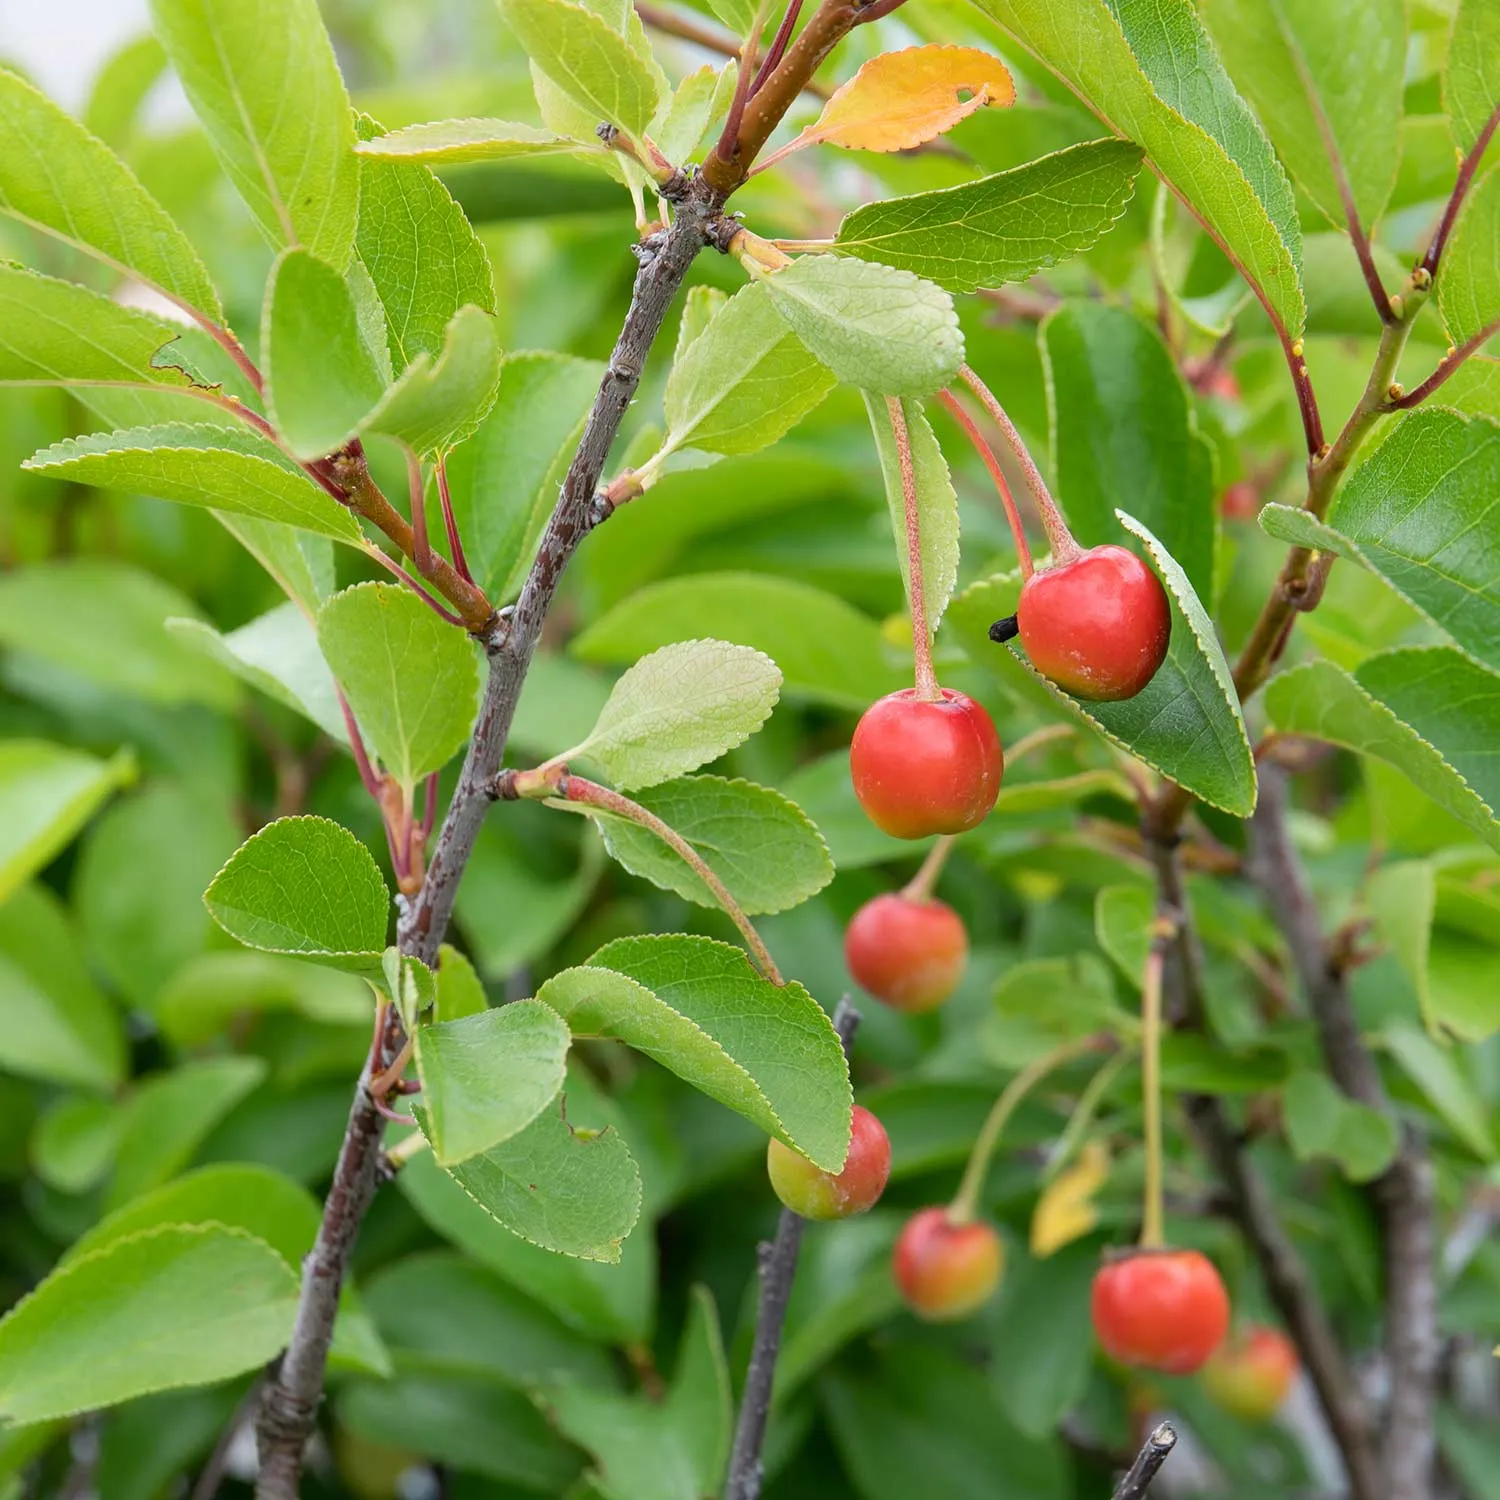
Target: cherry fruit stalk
{"x": 945, "y": 1269}
{"x": 808, "y": 1190}
{"x": 1161, "y": 1310}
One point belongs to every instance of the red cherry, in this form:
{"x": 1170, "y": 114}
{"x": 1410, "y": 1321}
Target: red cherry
{"x": 816, "y": 1194}
{"x": 945, "y": 1270}
{"x": 909, "y": 953}
{"x": 1252, "y": 1372}
{"x": 922, "y": 767}
{"x": 1160, "y": 1309}
{"x": 1240, "y": 501}
{"x": 1097, "y": 626}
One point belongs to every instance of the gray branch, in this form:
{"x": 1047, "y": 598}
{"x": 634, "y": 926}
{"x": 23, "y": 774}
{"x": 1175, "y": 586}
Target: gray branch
{"x": 294, "y": 1391}
{"x": 1148, "y": 1461}
{"x": 776, "y": 1262}
{"x": 1403, "y": 1193}
{"x": 1250, "y": 1203}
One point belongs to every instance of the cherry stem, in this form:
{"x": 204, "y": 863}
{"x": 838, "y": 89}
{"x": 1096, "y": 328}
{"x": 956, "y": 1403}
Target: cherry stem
{"x": 1046, "y": 735}
{"x": 450, "y": 523}
{"x": 574, "y": 789}
{"x": 1153, "y": 1219}
{"x": 1083, "y": 1114}
{"x": 966, "y": 1200}
{"x": 1012, "y": 515}
{"x": 397, "y": 571}
{"x": 921, "y": 633}
{"x": 1064, "y": 548}
{"x": 919, "y": 887}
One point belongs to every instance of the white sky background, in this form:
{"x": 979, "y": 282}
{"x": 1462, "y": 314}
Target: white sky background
{"x": 61, "y": 43}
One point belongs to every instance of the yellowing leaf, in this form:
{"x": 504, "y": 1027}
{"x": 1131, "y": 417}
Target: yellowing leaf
{"x": 1066, "y": 1209}
{"x": 903, "y": 99}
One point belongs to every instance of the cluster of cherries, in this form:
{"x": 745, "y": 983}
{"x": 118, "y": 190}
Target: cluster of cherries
{"x": 924, "y": 764}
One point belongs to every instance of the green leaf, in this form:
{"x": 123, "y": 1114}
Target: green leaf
{"x": 679, "y": 708}
{"x": 824, "y": 791}
{"x": 444, "y": 1314}
{"x": 222, "y": 468}
{"x": 58, "y": 1026}
{"x": 423, "y": 257}
{"x": 470, "y": 1425}
{"x": 504, "y": 480}
{"x": 450, "y": 142}
{"x": 300, "y": 564}
{"x": 305, "y": 886}
{"x": 278, "y": 654}
{"x": 937, "y": 504}
{"x": 216, "y": 990}
{"x": 411, "y": 678}
{"x": 875, "y": 327}
{"x": 1186, "y": 722}
{"x": 120, "y": 88}
{"x": 1326, "y": 82}
{"x": 1124, "y": 435}
{"x": 670, "y": 1449}
{"x": 744, "y": 382}
{"x": 1471, "y": 84}
{"x": 1402, "y": 898}
{"x": 590, "y": 61}
{"x": 57, "y": 177}
{"x": 47, "y": 793}
{"x": 170, "y": 1114}
{"x": 439, "y": 402}
{"x": 1122, "y": 923}
{"x": 60, "y": 610}
{"x": 1447, "y": 1085}
{"x": 322, "y": 380}
{"x": 1044, "y": 1001}
{"x": 1146, "y": 68}
{"x": 699, "y": 1008}
{"x": 55, "y": 333}
{"x": 260, "y": 1202}
{"x": 701, "y": 98}
{"x": 575, "y": 1192}
{"x": 762, "y": 846}
{"x": 1321, "y": 1121}
{"x": 460, "y": 991}
{"x": 174, "y": 1307}
{"x": 1468, "y": 283}
{"x": 825, "y": 649}
{"x": 489, "y": 1075}
{"x": 1429, "y": 712}
{"x": 73, "y": 1145}
{"x": 139, "y": 895}
{"x": 1003, "y": 228}
{"x": 911, "y": 1419}
{"x": 608, "y": 1302}
{"x": 1424, "y": 512}
{"x": 242, "y": 63}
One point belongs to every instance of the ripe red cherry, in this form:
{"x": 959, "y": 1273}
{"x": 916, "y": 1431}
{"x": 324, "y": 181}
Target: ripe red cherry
{"x": 1252, "y": 1372}
{"x": 1161, "y": 1310}
{"x": 922, "y": 767}
{"x": 945, "y": 1270}
{"x": 908, "y": 953}
{"x": 1097, "y": 626}
{"x": 816, "y": 1194}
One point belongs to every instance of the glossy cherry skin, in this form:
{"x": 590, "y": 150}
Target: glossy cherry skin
{"x": 816, "y": 1194}
{"x": 946, "y": 1271}
{"x": 1251, "y": 1373}
{"x": 1160, "y": 1310}
{"x": 1097, "y": 626}
{"x": 922, "y": 767}
{"x": 909, "y": 953}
